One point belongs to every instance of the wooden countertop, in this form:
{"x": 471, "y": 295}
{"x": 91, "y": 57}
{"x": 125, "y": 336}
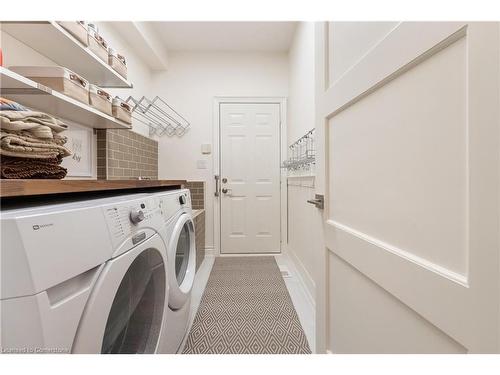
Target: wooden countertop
{"x": 22, "y": 188}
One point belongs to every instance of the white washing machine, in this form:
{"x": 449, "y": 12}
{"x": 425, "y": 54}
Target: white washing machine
{"x": 179, "y": 236}
{"x": 84, "y": 277}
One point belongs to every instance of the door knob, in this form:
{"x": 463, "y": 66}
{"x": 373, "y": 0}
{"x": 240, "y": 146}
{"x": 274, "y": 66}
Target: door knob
{"x": 224, "y": 180}
{"x": 319, "y": 201}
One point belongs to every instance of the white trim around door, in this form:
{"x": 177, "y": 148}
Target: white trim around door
{"x": 218, "y": 100}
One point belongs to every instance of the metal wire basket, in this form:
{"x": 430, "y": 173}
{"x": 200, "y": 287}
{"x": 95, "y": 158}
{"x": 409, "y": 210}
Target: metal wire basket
{"x": 302, "y": 153}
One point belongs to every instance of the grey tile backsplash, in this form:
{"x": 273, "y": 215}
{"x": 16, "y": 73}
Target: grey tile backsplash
{"x": 197, "y": 189}
{"x": 125, "y": 155}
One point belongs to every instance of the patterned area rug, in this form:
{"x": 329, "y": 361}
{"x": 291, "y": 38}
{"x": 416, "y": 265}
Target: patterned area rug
{"x": 246, "y": 309}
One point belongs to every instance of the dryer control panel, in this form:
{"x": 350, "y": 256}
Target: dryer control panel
{"x": 172, "y": 202}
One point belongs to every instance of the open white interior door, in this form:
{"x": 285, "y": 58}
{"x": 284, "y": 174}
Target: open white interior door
{"x": 408, "y": 114}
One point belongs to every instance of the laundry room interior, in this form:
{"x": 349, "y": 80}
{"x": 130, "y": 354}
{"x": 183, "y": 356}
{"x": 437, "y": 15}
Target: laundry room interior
{"x": 249, "y": 187}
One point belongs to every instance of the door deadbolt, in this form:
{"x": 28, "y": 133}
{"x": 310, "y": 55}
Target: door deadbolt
{"x": 227, "y": 192}
{"x": 224, "y": 180}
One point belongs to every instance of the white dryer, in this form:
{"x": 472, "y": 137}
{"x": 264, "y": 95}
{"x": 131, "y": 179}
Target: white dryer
{"x": 178, "y": 234}
{"x": 84, "y": 277}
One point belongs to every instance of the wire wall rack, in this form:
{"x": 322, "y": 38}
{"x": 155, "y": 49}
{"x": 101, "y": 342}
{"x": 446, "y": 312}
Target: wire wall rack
{"x": 160, "y": 117}
{"x": 301, "y": 154}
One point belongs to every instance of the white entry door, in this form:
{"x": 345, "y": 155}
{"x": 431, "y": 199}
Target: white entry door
{"x": 250, "y": 177}
{"x": 408, "y": 114}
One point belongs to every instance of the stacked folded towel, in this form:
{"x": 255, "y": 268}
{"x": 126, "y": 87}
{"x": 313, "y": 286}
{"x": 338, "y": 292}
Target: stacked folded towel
{"x": 32, "y": 168}
{"x": 30, "y": 143}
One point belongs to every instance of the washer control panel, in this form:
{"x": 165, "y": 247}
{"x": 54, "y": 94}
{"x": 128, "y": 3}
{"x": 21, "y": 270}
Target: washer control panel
{"x": 124, "y": 219}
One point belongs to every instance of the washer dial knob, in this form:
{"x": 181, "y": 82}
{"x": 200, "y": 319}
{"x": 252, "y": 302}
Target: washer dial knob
{"x": 136, "y": 216}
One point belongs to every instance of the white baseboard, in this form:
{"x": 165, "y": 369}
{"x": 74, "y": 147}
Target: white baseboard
{"x": 304, "y": 277}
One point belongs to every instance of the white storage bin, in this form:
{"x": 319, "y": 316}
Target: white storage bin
{"x": 122, "y": 110}
{"x": 117, "y": 62}
{"x": 98, "y": 45}
{"x": 100, "y": 99}
{"x": 57, "y": 78}
{"x": 78, "y": 29}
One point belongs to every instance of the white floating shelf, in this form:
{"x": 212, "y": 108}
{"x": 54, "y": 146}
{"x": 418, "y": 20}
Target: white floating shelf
{"x": 34, "y": 95}
{"x": 53, "y": 41}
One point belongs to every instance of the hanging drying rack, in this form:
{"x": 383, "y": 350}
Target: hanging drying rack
{"x": 302, "y": 153}
{"x": 160, "y": 117}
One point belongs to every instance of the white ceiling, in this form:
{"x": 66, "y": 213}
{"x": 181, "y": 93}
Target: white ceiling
{"x": 225, "y": 36}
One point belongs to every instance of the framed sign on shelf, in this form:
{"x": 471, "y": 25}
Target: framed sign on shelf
{"x": 80, "y": 143}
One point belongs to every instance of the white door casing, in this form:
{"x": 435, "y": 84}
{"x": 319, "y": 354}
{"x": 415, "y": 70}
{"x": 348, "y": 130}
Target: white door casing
{"x": 408, "y": 131}
{"x": 250, "y": 161}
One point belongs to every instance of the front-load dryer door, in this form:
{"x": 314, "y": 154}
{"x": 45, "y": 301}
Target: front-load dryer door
{"x": 181, "y": 261}
{"x": 127, "y": 307}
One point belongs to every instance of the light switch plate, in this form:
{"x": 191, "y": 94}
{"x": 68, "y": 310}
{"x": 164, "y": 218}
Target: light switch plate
{"x": 201, "y": 164}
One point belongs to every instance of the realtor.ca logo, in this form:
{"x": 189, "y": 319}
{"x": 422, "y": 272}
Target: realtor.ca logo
{"x": 36, "y": 227}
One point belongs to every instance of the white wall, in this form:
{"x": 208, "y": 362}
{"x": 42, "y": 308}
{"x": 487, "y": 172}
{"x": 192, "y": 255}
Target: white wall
{"x": 304, "y": 220}
{"x": 301, "y": 82}
{"x": 190, "y": 85}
